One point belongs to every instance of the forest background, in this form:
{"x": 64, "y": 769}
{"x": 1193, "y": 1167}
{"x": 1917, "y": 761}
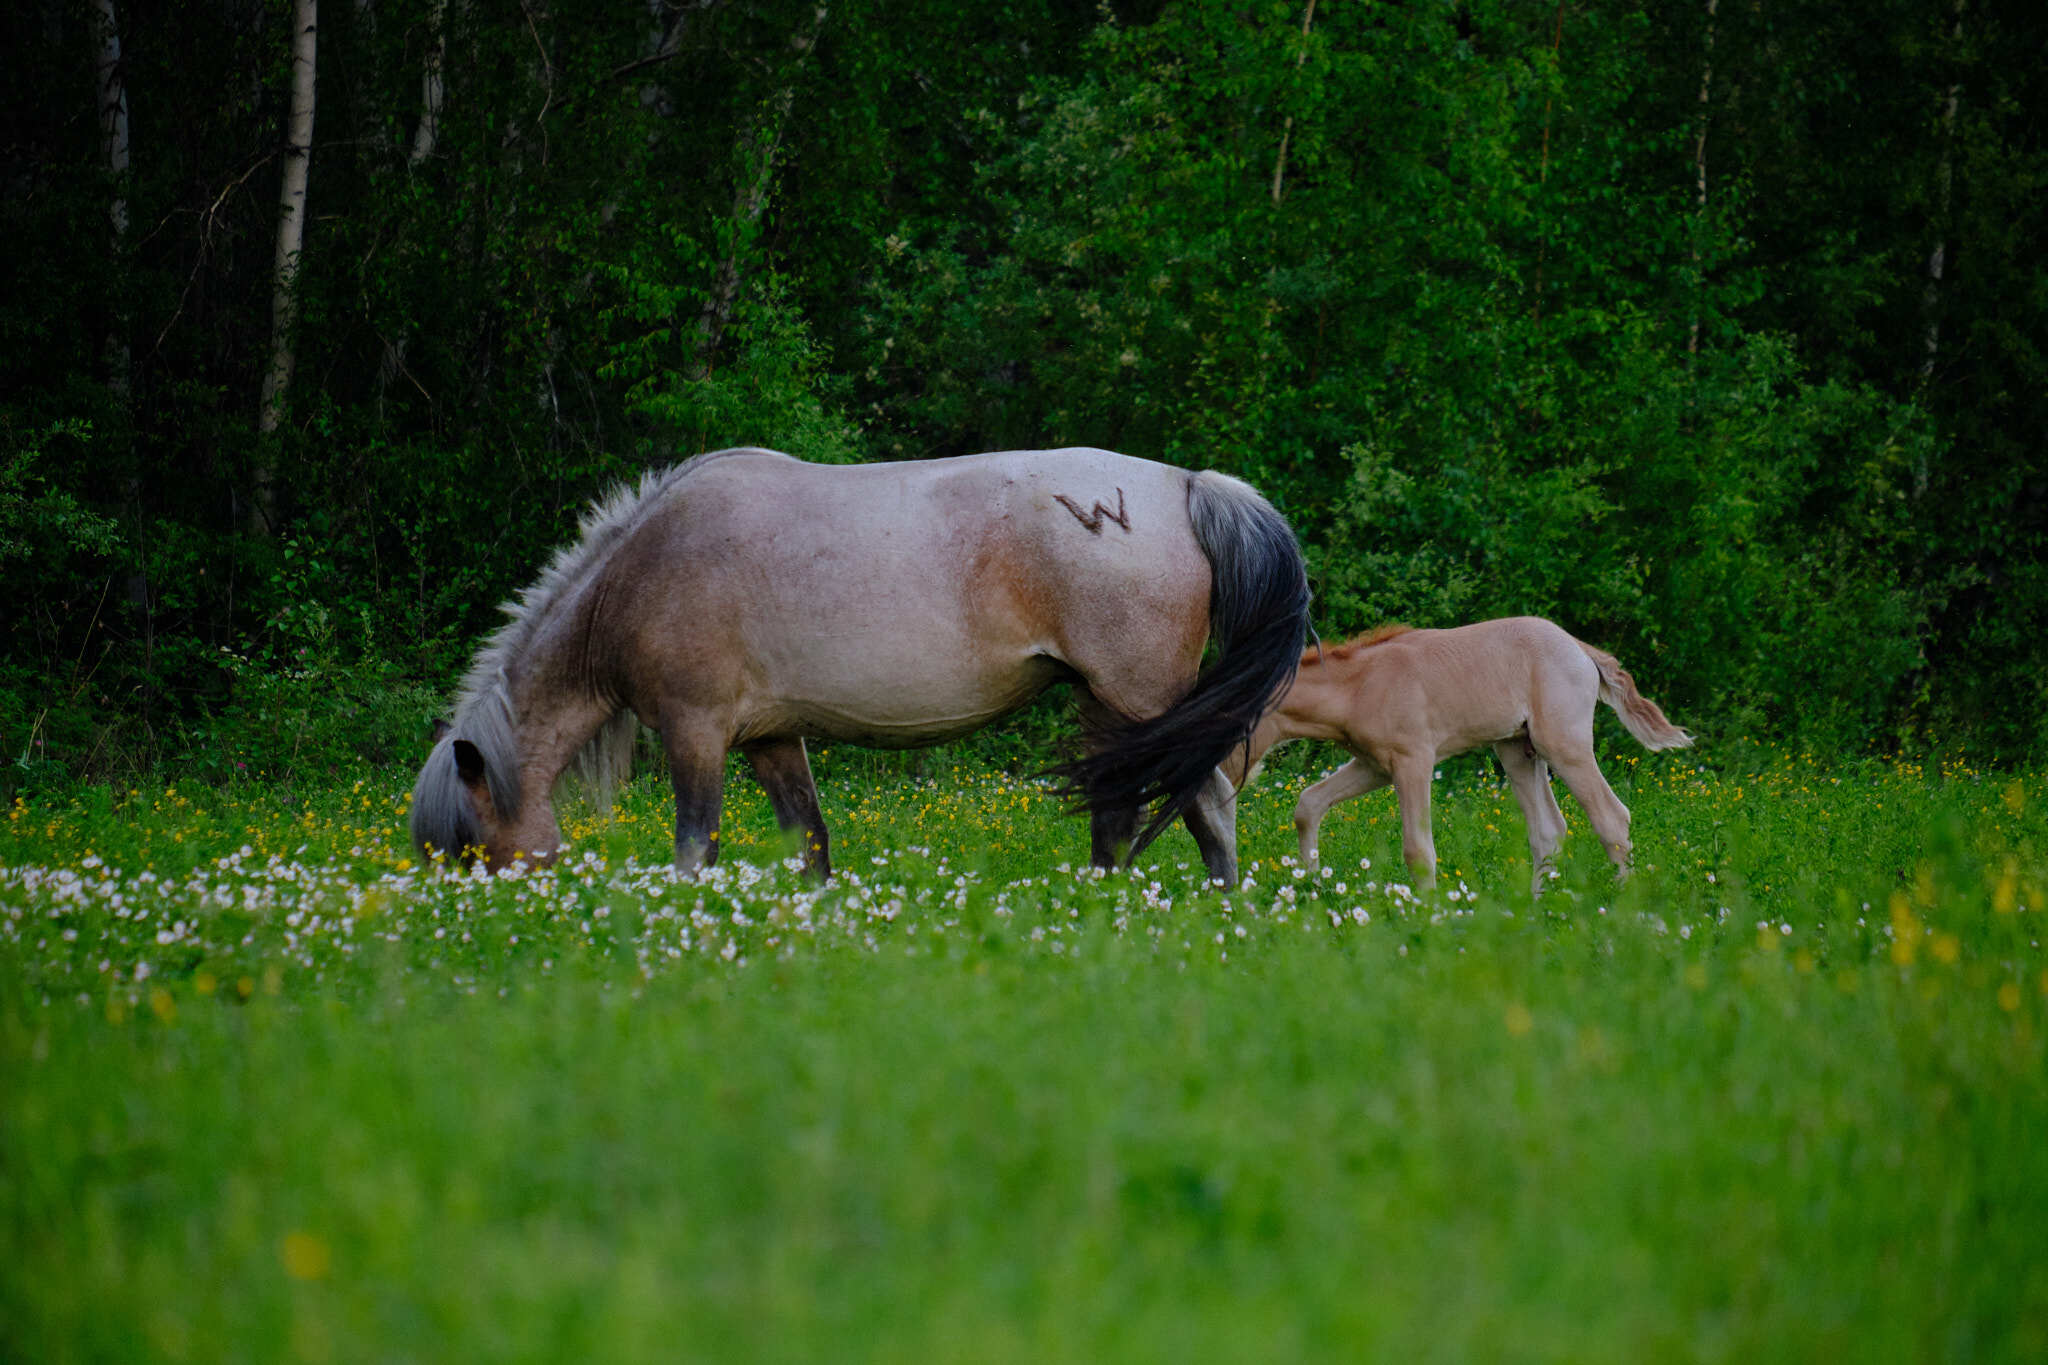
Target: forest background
{"x": 1715, "y": 331}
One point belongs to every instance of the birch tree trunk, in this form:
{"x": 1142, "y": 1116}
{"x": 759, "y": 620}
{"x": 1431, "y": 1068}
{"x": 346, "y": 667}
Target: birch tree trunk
{"x": 433, "y": 91}
{"x": 1287, "y": 129}
{"x": 1699, "y": 168}
{"x": 1944, "y": 181}
{"x": 758, "y": 145}
{"x": 291, "y": 238}
{"x": 113, "y": 112}
{"x": 426, "y": 136}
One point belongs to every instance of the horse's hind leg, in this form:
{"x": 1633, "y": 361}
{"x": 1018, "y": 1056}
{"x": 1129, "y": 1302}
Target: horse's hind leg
{"x": 1212, "y": 819}
{"x": 784, "y": 772}
{"x": 1355, "y": 778}
{"x": 1530, "y": 777}
{"x": 696, "y": 761}
{"x": 1109, "y": 836}
{"x": 1609, "y": 816}
{"x": 1110, "y": 832}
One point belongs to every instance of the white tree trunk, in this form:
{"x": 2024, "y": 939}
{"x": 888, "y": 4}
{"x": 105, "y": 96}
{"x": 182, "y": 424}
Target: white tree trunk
{"x": 113, "y": 111}
{"x": 1699, "y": 168}
{"x": 1287, "y": 129}
{"x": 433, "y": 91}
{"x": 1944, "y": 181}
{"x": 291, "y": 238}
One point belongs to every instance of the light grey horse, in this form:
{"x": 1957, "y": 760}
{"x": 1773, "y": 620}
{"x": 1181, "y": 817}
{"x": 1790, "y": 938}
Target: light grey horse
{"x": 748, "y": 600}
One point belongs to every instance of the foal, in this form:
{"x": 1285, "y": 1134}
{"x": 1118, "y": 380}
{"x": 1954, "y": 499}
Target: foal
{"x": 1402, "y": 699}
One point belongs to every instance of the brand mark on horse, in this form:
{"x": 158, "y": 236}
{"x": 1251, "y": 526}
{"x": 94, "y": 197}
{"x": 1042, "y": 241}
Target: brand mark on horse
{"x": 1093, "y": 519}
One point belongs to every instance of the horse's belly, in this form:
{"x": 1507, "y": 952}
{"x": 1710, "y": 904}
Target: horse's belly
{"x": 904, "y": 710}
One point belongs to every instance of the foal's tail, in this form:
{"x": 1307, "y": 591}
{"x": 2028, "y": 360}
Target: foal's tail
{"x": 1643, "y": 717}
{"x": 1258, "y": 617}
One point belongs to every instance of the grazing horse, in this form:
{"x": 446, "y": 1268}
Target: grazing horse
{"x": 1402, "y": 699}
{"x": 748, "y": 600}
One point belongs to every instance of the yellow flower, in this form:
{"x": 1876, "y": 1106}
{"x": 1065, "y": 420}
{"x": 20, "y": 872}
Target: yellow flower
{"x": 163, "y": 1006}
{"x": 2009, "y": 997}
{"x": 305, "y": 1256}
{"x": 2005, "y": 896}
{"x": 1518, "y": 1020}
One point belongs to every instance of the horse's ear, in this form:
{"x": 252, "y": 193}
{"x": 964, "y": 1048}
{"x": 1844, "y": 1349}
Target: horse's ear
{"x": 469, "y": 763}
{"x": 440, "y": 731}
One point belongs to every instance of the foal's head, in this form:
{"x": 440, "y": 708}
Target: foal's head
{"x": 463, "y": 809}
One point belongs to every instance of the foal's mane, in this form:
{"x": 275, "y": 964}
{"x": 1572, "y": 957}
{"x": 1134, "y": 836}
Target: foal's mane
{"x": 1377, "y": 635}
{"x": 483, "y": 707}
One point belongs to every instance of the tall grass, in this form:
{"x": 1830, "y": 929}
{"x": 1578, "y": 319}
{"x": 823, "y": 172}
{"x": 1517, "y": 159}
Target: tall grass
{"x": 272, "y": 1091}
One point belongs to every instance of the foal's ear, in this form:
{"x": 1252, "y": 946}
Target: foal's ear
{"x": 440, "y": 731}
{"x": 469, "y": 763}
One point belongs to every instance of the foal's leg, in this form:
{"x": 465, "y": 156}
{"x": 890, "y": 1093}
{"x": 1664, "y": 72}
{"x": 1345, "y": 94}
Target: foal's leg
{"x": 1530, "y": 777}
{"x": 1610, "y": 818}
{"x": 1411, "y": 773}
{"x": 1212, "y": 819}
{"x": 784, "y": 771}
{"x": 1353, "y": 779}
{"x": 696, "y": 761}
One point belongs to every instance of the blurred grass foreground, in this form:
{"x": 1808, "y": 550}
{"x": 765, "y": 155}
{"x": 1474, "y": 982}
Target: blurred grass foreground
{"x": 273, "y": 1091}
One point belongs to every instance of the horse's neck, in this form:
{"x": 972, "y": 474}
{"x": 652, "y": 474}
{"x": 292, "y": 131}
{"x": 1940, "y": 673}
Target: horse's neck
{"x": 1315, "y": 706}
{"x": 555, "y": 707}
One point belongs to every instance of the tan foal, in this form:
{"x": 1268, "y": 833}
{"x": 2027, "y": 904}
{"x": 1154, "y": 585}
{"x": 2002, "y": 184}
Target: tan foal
{"x": 1401, "y": 700}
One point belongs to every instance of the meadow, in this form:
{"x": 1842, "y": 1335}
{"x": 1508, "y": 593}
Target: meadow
{"x": 272, "y": 1090}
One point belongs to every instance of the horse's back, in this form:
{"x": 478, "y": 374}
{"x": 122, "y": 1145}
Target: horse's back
{"x": 1466, "y": 686}
{"x": 896, "y": 603}
{"x": 962, "y": 534}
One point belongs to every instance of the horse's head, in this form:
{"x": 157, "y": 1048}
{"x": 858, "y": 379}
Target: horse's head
{"x": 465, "y": 807}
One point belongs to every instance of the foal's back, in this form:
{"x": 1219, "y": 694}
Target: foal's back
{"x": 1446, "y": 691}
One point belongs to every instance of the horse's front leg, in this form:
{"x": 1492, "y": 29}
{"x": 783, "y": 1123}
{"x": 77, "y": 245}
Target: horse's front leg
{"x": 1212, "y": 819}
{"x": 1411, "y": 775}
{"x": 696, "y": 761}
{"x": 1353, "y": 779}
{"x": 784, "y": 771}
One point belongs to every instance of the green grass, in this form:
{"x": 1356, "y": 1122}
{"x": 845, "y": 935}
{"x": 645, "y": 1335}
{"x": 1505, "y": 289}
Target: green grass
{"x": 270, "y": 1092}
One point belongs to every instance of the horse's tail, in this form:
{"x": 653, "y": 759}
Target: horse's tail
{"x": 1258, "y": 617}
{"x": 1643, "y": 717}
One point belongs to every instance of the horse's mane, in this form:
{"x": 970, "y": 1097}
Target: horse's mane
{"x": 483, "y": 706}
{"x": 1377, "y": 635}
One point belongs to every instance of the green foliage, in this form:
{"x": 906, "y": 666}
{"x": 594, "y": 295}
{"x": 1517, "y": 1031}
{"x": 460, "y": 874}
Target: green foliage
{"x": 772, "y": 389}
{"x": 1511, "y": 307}
{"x": 39, "y": 522}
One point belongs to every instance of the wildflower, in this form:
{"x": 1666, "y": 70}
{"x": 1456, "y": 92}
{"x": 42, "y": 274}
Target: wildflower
{"x": 305, "y": 1256}
{"x": 1518, "y": 1020}
{"x": 2005, "y": 896}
